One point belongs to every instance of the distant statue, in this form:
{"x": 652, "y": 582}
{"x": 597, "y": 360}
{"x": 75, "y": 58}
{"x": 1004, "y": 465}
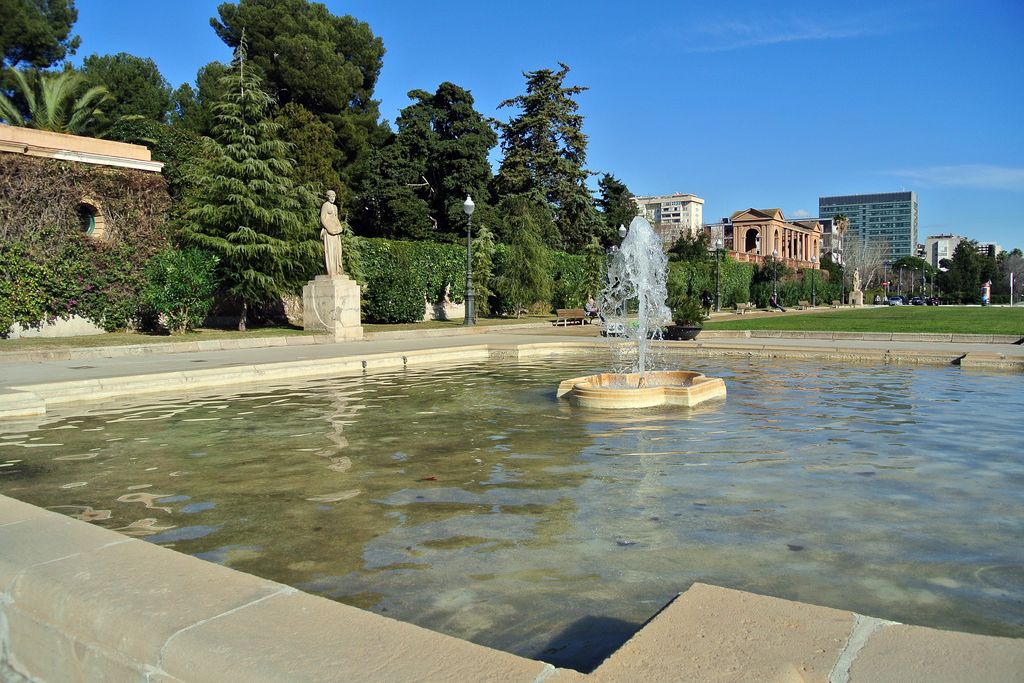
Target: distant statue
{"x": 856, "y": 280}
{"x": 330, "y": 232}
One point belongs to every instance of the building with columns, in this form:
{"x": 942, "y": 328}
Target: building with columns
{"x": 752, "y": 234}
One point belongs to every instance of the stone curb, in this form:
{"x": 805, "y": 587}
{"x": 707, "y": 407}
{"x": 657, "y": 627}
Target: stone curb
{"x": 43, "y": 355}
{"x": 866, "y": 336}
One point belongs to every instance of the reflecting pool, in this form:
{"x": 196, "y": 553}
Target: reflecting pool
{"x": 470, "y": 501}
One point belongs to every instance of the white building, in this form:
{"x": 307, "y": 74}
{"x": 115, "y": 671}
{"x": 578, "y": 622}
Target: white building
{"x": 986, "y": 248}
{"x": 938, "y": 247}
{"x": 671, "y": 215}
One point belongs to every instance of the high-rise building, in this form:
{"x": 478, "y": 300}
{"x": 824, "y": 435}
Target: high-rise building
{"x": 888, "y": 217}
{"x": 672, "y": 214}
{"x": 938, "y": 247}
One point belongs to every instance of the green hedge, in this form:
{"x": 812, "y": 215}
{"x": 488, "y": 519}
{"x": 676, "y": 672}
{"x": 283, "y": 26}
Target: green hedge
{"x": 439, "y": 264}
{"x": 690, "y": 279}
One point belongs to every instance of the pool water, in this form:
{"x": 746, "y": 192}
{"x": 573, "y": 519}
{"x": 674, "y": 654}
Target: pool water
{"x": 470, "y": 501}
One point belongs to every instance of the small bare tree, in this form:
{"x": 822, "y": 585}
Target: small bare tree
{"x": 867, "y": 256}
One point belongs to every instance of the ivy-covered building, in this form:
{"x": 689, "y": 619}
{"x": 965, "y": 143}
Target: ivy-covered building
{"x": 79, "y": 217}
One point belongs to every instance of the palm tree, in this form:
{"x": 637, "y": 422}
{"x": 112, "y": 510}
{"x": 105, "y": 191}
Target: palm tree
{"x": 841, "y": 223}
{"x": 59, "y": 102}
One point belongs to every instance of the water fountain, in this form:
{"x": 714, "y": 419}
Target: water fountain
{"x": 637, "y": 273}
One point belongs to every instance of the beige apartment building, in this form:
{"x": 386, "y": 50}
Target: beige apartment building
{"x": 672, "y": 215}
{"x": 938, "y": 247}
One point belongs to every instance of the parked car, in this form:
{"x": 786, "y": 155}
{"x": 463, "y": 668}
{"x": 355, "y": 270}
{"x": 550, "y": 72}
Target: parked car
{"x": 896, "y": 300}
{"x": 917, "y": 301}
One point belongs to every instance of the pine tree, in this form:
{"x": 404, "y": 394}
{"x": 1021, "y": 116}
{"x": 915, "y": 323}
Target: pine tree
{"x": 247, "y": 209}
{"x": 616, "y": 206}
{"x": 526, "y": 276}
{"x": 545, "y": 153}
{"x": 483, "y": 271}
{"x": 595, "y": 266}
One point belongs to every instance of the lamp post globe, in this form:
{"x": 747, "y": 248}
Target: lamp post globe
{"x": 718, "y": 276}
{"x": 468, "y": 206}
{"x": 622, "y": 231}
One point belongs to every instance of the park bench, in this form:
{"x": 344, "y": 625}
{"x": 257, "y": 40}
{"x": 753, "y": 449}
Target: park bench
{"x": 742, "y": 308}
{"x": 836, "y": 303}
{"x": 570, "y": 316}
{"x": 803, "y": 304}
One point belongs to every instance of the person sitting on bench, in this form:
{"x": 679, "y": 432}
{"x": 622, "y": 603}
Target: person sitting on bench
{"x": 773, "y": 302}
{"x": 591, "y": 309}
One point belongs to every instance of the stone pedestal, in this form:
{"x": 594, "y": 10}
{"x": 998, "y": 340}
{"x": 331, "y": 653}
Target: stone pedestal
{"x": 331, "y": 305}
{"x": 857, "y": 297}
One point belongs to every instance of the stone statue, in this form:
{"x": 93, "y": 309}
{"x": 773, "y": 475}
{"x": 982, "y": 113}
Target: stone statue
{"x": 856, "y": 279}
{"x": 330, "y": 233}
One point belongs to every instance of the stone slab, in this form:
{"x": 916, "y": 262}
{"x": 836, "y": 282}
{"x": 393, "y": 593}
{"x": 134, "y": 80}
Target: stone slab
{"x": 315, "y": 639}
{"x": 713, "y": 634}
{"x": 126, "y": 594}
{"x": 914, "y": 654}
{"x": 29, "y": 539}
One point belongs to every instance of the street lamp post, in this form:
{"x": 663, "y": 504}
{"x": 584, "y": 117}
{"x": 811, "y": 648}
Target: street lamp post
{"x": 468, "y": 207}
{"x": 775, "y": 272}
{"x": 814, "y": 295}
{"x": 718, "y": 276}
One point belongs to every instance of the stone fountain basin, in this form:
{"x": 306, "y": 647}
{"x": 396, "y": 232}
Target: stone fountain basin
{"x": 624, "y": 390}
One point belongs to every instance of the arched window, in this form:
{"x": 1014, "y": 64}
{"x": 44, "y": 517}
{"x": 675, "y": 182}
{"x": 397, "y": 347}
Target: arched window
{"x": 90, "y": 218}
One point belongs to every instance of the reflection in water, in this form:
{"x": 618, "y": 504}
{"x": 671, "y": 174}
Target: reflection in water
{"x": 468, "y": 500}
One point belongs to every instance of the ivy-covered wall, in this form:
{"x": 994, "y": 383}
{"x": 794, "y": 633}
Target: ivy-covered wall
{"x": 49, "y": 266}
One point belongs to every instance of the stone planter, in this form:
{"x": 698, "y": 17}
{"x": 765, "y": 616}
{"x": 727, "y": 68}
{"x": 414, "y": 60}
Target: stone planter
{"x": 681, "y": 332}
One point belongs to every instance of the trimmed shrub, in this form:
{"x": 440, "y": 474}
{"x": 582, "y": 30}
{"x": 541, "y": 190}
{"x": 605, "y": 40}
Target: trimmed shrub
{"x": 394, "y": 294}
{"x": 180, "y": 286}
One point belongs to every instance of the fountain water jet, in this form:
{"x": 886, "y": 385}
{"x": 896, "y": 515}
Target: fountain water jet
{"x": 638, "y": 272}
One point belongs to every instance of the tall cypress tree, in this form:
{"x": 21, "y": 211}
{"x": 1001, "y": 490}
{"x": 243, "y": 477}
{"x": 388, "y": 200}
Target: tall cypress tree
{"x": 247, "y": 209}
{"x": 526, "y": 276}
{"x": 546, "y": 152}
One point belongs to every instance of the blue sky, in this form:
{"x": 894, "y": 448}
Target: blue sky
{"x": 742, "y": 103}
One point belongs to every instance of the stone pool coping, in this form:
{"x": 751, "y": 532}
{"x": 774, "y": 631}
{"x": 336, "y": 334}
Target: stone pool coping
{"x": 80, "y": 602}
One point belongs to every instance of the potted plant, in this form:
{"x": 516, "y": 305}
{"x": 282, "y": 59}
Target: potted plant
{"x": 687, "y": 318}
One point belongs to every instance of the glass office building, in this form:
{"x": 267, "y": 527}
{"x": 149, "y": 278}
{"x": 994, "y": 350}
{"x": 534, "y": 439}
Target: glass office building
{"x": 890, "y": 217}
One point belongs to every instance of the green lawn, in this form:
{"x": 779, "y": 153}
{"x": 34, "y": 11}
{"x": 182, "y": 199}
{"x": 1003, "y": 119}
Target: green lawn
{"x": 920, "y": 319}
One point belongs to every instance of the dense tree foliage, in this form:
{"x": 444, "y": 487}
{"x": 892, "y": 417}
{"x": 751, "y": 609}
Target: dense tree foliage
{"x": 135, "y": 84}
{"x": 62, "y": 102}
{"x": 192, "y": 108}
{"x": 691, "y": 247}
{"x": 312, "y": 147}
{"x": 545, "y": 153}
{"x": 437, "y": 157}
{"x": 328, "y": 64}
{"x": 526, "y": 277}
{"x": 247, "y": 210}
{"x": 37, "y": 32}
{"x": 616, "y": 205}
{"x": 961, "y": 282}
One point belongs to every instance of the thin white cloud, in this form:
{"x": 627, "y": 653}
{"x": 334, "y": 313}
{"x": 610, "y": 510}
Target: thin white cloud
{"x": 801, "y": 213}
{"x": 975, "y": 176}
{"x": 734, "y": 35}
